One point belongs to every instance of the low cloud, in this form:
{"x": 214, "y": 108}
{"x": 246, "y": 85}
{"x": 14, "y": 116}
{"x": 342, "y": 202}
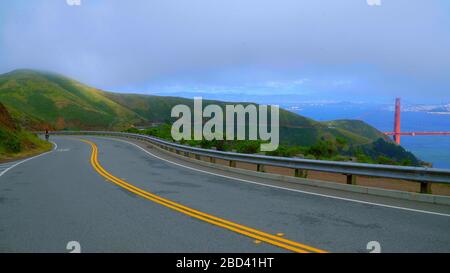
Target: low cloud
{"x": 401, "y": 47}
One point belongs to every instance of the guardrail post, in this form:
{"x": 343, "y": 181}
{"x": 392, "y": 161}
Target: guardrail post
{"x": 186, "y": 154}
{"x": 260, "y": 168}
{"x": 232, "y": 163}
{"x": 425, "y": 187}
{"x": 212, "y": 159}
{"x": 197, "y": 157}
{"x": 351, "y": 179}
{"x": 301, "y": 173}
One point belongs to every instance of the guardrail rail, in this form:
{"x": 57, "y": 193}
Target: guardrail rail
{"x": 423, "y": 175}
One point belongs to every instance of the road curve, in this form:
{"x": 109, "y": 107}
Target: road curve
{"x": 120, "y": 202}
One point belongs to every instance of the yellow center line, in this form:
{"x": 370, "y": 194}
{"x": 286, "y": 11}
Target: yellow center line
{"x": 247, "y": 231}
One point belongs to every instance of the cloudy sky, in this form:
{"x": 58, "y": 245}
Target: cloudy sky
{"x": 297, "y": 49}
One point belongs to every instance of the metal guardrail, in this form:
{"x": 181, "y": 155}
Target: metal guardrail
{"x": 424, "y": 175}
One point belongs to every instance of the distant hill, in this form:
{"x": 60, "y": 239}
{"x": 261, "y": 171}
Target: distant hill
{"x": 14, "y": 141}
{"x": 294, "y": 129}
{"x": 357, "y": 127}
{"x": 39, "y": 100}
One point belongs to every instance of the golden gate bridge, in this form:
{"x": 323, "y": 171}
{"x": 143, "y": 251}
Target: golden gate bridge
{"x": 397, "y": 132}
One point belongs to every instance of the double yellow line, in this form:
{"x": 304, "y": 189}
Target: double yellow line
{"x": 247, "y": 231}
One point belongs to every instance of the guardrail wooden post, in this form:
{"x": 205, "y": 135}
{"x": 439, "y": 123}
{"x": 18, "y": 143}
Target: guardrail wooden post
{"x": 260, "y": 168}
{"x": 212, "y": 159}
{"x": 232, "y": 163}
{"x": 351, "y": 179}
{"x": 197, "y": 157}
{"x": 301, "y": 173}
{"x": 425, "y": 187}
{"x": 186, "y": 154}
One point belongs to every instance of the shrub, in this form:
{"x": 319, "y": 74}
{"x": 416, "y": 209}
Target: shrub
{"x": 247, "y": 146}
{"x": 12, "y": 145}
{"x": 323, "y": 149}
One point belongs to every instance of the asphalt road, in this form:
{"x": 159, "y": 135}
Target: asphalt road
{"x": 59, "y": 197}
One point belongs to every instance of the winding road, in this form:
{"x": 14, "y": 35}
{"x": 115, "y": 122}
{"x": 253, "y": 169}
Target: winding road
{"x": 115, "y": 195}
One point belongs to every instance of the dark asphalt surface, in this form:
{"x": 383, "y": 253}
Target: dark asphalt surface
{"x": 56, "y": 198}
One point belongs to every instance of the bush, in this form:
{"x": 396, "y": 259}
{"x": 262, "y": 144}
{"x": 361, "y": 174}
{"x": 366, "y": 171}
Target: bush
{"x": 12, "y": 145}
{"x": 323, "y": 149}
{"x": 385, "y": 160}
{"x": 247, "y": 146}
{"x": 363, "y": 158}
{"x": 219, "y": 144}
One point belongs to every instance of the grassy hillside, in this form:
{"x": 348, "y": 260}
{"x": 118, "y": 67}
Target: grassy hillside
{"x": 357, "y": 127}
{"x": 15, "y": 142}
{"x": 39, "y": 100}
{"x": 294, "y": 129}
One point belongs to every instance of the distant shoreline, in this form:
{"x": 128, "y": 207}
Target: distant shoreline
{"x": 439, "y": 113}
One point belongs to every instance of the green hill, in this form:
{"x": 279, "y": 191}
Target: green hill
{"x": 15, "y": 142}
{"x": 294, "y": 129}
{"x": 39, "y": 100}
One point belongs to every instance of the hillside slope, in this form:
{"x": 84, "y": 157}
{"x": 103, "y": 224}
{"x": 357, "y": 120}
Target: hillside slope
{"x": 15, "y": 142}
{"x": 357, "y": 127}
{"x": 39, "y": 99}
{"x": 294, "y": 129}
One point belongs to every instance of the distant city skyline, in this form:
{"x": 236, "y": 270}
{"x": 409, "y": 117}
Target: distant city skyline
{"x": 281, "y": 51}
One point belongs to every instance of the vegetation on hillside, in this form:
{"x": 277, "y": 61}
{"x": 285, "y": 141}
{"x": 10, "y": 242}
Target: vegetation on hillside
{"x": 45, "y": 100}
{"x": 16, "y": 142}
{"x": 294, "y": 129}
{"x": 39, "y": 100}
{"x": 338, "y": 149}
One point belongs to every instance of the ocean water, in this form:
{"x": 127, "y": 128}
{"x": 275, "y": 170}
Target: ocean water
{"x": 433, "y": 149}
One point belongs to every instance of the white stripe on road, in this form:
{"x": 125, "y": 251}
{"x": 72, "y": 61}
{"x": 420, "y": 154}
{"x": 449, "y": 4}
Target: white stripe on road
{"x": 25, "y": 160}
{"x": 288, "y": 189}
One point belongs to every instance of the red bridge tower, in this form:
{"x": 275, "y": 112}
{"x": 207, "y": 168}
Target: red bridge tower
{"x": 397, "y": 133}
{"x": 397, "y": 121}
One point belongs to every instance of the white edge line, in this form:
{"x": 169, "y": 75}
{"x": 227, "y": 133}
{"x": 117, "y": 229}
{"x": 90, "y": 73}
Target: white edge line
{"x": 283, "y": 188}
{"x": 55, "y": 146}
